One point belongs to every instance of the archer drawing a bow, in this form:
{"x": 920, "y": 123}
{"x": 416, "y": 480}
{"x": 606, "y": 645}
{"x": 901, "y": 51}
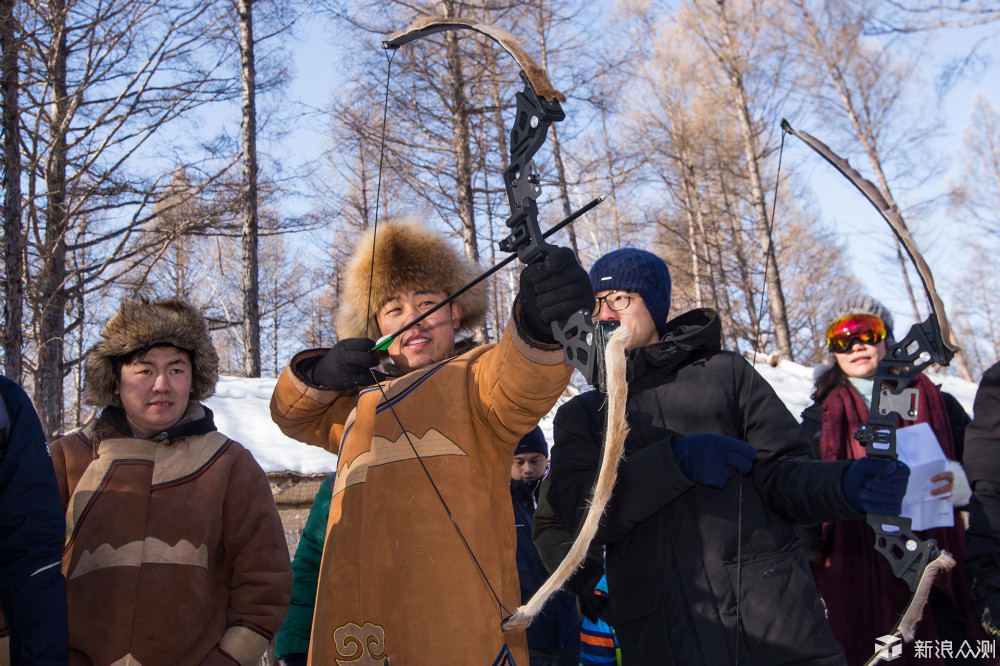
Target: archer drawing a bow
{"x": 597, "y": 350}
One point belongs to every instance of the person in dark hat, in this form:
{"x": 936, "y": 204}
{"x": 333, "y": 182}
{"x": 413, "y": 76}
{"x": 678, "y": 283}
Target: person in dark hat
{"x": 531, "y": 459}
{"x": 419, "y": 560}
{"x": 703, "y": 564}
{"x": 554, "y": 635}
{"x": 175, "y": 553}
{"x": 630, "y": 275}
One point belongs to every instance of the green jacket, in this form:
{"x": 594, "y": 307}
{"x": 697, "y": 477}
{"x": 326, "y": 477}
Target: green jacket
{"x": 293, "y": 636}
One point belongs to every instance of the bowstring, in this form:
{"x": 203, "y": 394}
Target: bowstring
{"x": 378, "y": 187}
{"x": 746, "y": 416}
{"x": 385, "y": 398}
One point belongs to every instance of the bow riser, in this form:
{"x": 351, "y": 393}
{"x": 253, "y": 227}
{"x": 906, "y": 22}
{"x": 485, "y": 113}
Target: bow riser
{"x": 534, "y": 116}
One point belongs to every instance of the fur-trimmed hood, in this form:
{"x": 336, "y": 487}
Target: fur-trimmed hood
{"x": 141, "y": 324}
{"x": 406, "y": 256}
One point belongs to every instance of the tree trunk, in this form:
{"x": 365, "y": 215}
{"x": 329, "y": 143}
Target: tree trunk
{"x": 500, "y": 306}
{"x": 554, "y": 135}
{"x": 51, "y": 281}
{"x": 772, "y": 277}
{"x": 460, "y": 143}
{"x": 613, "y": 187}
{"x": 563, "y": 187}
{"x": 461, "y": 139}
{"x": 81, "y": 349}
{"x": 746, "y": 282}
{"x": 692, "y": 206}
{"x": 251, "y": 288}
{"x": 13, "y": 241}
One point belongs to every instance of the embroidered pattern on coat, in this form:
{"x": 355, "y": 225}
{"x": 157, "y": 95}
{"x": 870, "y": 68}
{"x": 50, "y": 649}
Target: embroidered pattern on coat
{"x": 137, "y": 553}
{"x": 360, "y": 646}
{"x": 384, "y": 451}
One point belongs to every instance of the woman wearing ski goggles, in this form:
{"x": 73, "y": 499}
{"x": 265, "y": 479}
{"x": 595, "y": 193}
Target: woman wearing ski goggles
{"x": 858, "y": 343}
{"x": 857, "y": 585}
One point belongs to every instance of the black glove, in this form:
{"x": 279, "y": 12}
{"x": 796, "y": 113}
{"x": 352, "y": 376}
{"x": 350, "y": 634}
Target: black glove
{"x": 713, "y": 459}
{"x": 295, "y": 659}
{"x": 348, "y": 365}
{"x": 583, "y": 584}
{"x": 989, "y": 614}
{"x": 552, "y": 289}
{"x": 876, "y": 485}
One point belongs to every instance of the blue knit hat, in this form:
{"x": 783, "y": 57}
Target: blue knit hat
{"x": 644, "y": 272}
{"x": 533, "y": 442}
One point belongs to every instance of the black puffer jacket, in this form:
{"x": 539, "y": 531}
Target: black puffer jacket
{"x": 982, "y": 463}
{"x": 674, "y": 562}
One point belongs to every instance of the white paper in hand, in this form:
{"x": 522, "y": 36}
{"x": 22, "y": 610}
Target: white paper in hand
{"x": 919, "y": 448}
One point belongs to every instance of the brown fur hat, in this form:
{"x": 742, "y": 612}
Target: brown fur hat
{"x": 407, "y": 256}
{"x": 142, "y": 325}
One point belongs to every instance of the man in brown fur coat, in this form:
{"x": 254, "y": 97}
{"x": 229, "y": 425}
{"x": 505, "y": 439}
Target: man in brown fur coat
{"x": 418, "y": 565}
{"x": 175, "y": 553}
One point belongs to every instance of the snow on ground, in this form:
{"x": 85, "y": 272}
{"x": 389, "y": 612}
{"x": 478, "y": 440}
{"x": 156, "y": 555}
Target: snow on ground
{"x": 242, "y": 411}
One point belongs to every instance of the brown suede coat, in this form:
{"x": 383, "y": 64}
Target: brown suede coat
{"x": 397, "y": 585}
{"x": 175, "y": 553}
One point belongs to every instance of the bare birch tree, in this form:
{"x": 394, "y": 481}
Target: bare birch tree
{"x": 865, "y": 84}
{"x": 13, "y": 237}
{"x": 100, "y": 84}
{"x": 250, "y": 287}
{"x": 729, "y": 32}
{"x": 976, "y": 201}
{"x": 438, "y": 93}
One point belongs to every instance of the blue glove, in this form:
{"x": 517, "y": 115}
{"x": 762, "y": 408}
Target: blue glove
{"x": 713, "y": 459}
{"x": 876, "y": 485}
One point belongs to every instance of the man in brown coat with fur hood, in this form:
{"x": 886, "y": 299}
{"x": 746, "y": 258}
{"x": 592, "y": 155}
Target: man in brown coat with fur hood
{"x": 418, "y": 565}
{"x": 175, "y": 553}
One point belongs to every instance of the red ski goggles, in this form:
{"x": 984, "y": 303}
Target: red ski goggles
{"x": 867, "y": 328}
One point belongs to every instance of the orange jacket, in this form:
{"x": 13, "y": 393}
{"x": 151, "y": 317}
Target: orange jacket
{"x": 396, "y": 580}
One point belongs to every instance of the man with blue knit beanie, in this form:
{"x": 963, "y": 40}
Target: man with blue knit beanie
{"x": 703, "y": 564}
{"x": 632, "y": 270}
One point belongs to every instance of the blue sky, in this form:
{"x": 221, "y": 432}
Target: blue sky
{"x": 869, "y": 240}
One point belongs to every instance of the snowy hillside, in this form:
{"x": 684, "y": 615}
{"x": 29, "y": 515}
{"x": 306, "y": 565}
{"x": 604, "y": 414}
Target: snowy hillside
{"x": 242, "y": 412}
{"x": 793, "y": 384}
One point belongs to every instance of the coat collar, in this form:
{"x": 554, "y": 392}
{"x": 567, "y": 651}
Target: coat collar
{"x": 695, "y": 330}
{"x": 197, "y": 420}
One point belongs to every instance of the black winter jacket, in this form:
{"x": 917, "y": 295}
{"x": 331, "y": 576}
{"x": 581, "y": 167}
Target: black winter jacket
{"x": 32, "y": 528}
{"x": 982, "y": 464}
{"x": 557, "y": 627}
{"x": 674, "y": 557}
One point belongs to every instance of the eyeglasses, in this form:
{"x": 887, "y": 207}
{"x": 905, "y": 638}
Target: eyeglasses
{"x": 867, "y": 328}
{"x": 616, "y": 301}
